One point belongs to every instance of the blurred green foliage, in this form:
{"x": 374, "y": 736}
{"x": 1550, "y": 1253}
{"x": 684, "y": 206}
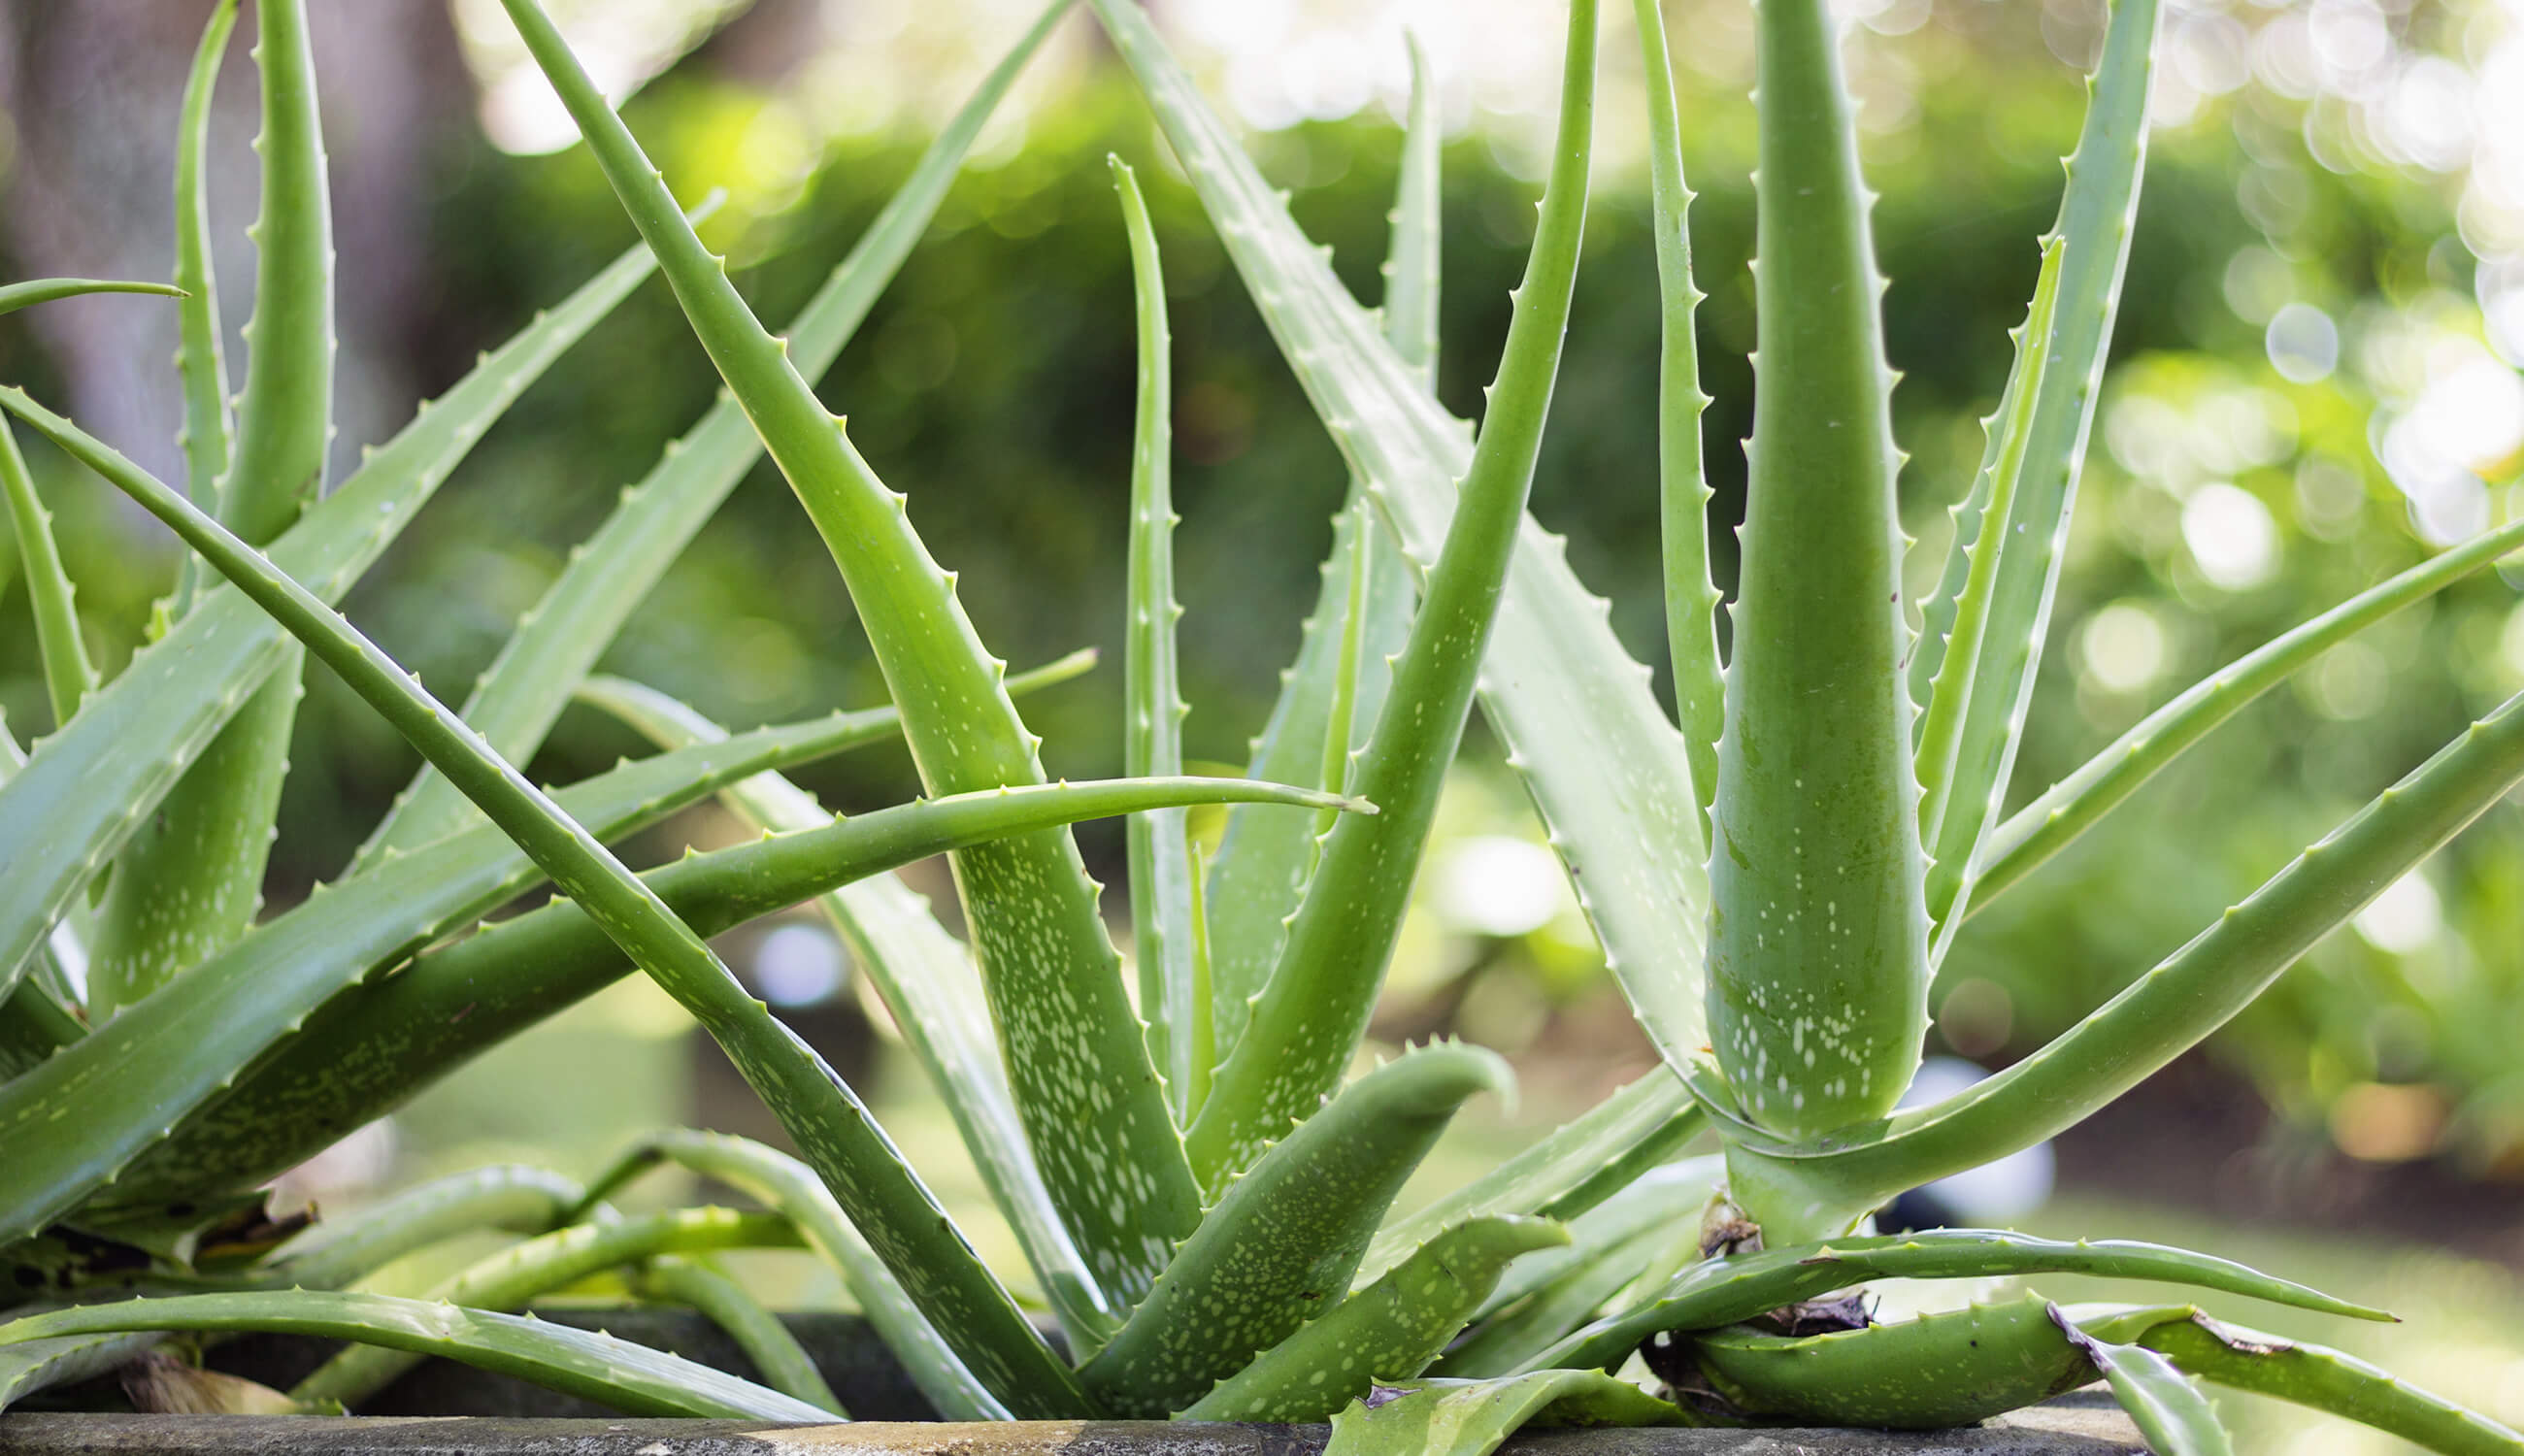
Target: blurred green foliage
{"x": 2223, "y": 502}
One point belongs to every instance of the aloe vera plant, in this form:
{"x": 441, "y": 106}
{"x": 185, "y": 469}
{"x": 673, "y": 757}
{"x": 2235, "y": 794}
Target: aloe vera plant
{"x": 1202, "y": 1195}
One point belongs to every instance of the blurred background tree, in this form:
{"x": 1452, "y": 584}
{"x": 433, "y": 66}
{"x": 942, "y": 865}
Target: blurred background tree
{"x": 2314, "y": 384}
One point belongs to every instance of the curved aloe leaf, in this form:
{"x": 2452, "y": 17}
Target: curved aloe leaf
{"x": 102, "y": 777}
{"x": 2309, "y": 1375}
{"x": 1581, "y": 725}
{"x": 1953, "y": 1368}
{"x": 1312, "y": 1012}
{"x": 191, "y": 880}
{"x": 1093, "y": 1107}
{"x": 380, "y": 1043}
{"x": 1723, "y": 1291}
{"x": 184, "y": 1044}
{"x": 1817, "y": 942}
{"x": 2096, "y": 216}
{"x": 2078, "y": 801}
{"x": 783, "y": 1364}
{"x": 15, "y": 296}
{"x": 633, "y": 1378}
{"x": 515, "y": 1196}
{"x": 1153, "y": 708}
{"x": 2167, "y": 1409}
{"x": 792, "y": 1187}
{"x": 1286, "y": 1235}
{"x": 1652, "y": 1112}
{"x": 69, "y": 675}
{"x": 1471, "y": 1418}
{"x": 919, "y": 1241}
{"x": 1387, "y": 1331}
{"x": 559, "y": 639}
{"x": 1691, "y": 602}
{"x": 201, "y": 358}
{"x": 509, "y": 1280}
{"x": 928, "y": 983}
{"x": 2166, "y": 1011}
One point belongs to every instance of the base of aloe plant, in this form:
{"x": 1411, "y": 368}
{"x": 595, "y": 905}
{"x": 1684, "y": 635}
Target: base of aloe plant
{"x": 445, "y": 1409}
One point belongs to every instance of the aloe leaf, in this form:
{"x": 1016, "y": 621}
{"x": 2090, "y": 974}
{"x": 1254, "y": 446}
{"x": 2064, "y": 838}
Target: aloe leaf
{"x": 1286, "y": 1235}
{"x": 1668, "y": 1197}
{"x": 378, "y": 1044}
{"x": 2168, "y": 1010}
{"x": 201, "y": 358}
{"x": 1646, "y": 1113}
{"x": 1307, "y": 1023}
{"x": 1159, "y": 844}
{"x": 194, "y": 1035}
{"x": 511, "y": 1279}
{"x": 1095, "y": 1109}
{"x": 1387, "y": 1331}
{"x": 101, "y": 778}
{"x": 2010, "y": 432}
{"x": 1953, "y": 1368}
{"x": 928, "y": 985}
{"x": 515, "y": 1196}
{"x": 1692, "y": 600}
{"x": 920, "y": 1243}
{"x": 191, "y": 879}
{"x": 40, "y": 1363}
{"x": 1817, "y": 941}
{"x": 793, "y": 1189}
{"x": 32, "y": 1027}
{"x": 1723, "y": 1291}
{"x": 1471, "y": 1418}
{"x": 560, "y": 638}
{"x": 69, "y": 675}
{"x": 1621, "y": 812}
{"x": 783, "y": 1363}
{"x": 1413, "y": 262}
{"x": 633, "y": 1378}
{"x": 2096, "y": 216}
{"x": 15, "y": 296}
{"x": 2167, "y": 1409}
{"x": 2311, "y": 1375}
{"x": 2078, "y": 801}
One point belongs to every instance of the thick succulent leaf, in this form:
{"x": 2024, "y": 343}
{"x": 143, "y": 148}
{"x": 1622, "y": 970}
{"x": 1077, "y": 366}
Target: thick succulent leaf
{"x": 1953, "y": 1368}
{"x": 514, "y": 1196}
{"x": 191, "y": 880}
{"x": 2078, "y": 801}
{"x": 514, "y": 1278}
{"x": 1607, "y": 771}
{"x": 94, "y": 782}
{"x": 1303, "y": 1030}
{"x": 1471, "y": 1418}
{"x": 2167, "y": 1409}
{"x": 69, "y": 675}
{"x": 1286, "y": 1237}
{"x": 1817, "y": 942}
{"x": 916, "y": 1237}
{"x": 632, "y": 1379}
{"x": 1387, "y": 1332}
{"x": 2309, "y": 1375}
{"x": 381, "y": 1042}
{"x": 560, "y": 638}
{"x": 1651, "y": 1112}
{"x": 1682, "y": 483}
{"x": 929, "y": 987}
{"x": 201, "y": 353}
{"x": 166, "y": 1056}
{"x": 2011, "y": 432}
{"x": 2166, "y": 1011}
{"x": 1095, "y": 1109}
{"x": 36, "y": 1365}
{"x": 783, "y": 1364}
{"x": 1722, "y": 1291}
{"x": 2094, "y": 221}
{"x": 793, "y": 1189}
{"x": 1154, "y": 709}
{"x": 15, "y": 296}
